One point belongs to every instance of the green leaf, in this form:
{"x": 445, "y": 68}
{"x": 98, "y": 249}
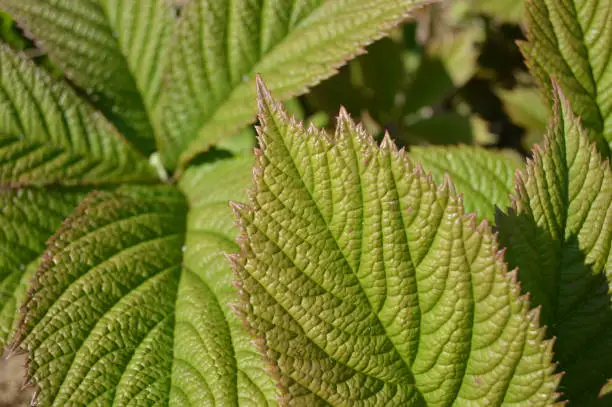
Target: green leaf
{"x": 130, "y": 305}
{"x": 221, "y": 45}
{"x": 484, "y": 177}
{"x": 526, "y": 108}
{"x": 446, "y": 128}
{"x": 114, "y": 50}
{"x": 507, "y": 11}
{"x": 451, "y": 60}
{"x": 559, "y": 234}
{"x": 49, "y": 135}
{"x": 367, "y": 285}
{"x": 28, "y": 217}
{"x": 571, "y": 41}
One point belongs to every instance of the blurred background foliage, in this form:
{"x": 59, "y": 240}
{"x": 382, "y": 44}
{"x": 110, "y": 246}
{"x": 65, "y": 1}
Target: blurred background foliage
{"x": 452, "y": 75}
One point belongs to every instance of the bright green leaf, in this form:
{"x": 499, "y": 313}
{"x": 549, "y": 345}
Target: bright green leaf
{"x": 484, "y": 177}
{"x": 569, "y": 40}
{"x": 221, "y": 45}
{"x": 28, "y": 217}
{"x": 113, "y": 49}
{"x": 131, "y": 301}
{"x": 559, "y": 234}
{"x": 367, "y": 284}
{"x": 48, "y": 135}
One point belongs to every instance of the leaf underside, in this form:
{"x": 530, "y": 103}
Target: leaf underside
{"x": 485, "y": 178}
{"x": 112, "y": 49}
{"x": 559, "y": 234}
{"x": 367, "y": 284}
{"x": 294, "y": 44}
{"x": 48, "y": 135}
{"x": 569, "y": 41}
{"x": 130, "y": 305}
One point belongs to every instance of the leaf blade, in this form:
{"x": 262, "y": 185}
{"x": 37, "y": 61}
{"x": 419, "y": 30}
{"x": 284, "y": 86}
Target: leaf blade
{"x": 48, "y": 135}
{"x": 278, "y": 37}
{"x": 29, "y": 218}
{"x": 140, "y": 316}
{"x": 114, "y": 50}
{"x": 340, "y": 288}
{"x": 485, "y": 177}
{"x": 558, "y": 233}
{"x": 568, "y": 41}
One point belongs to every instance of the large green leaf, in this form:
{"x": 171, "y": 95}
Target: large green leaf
{"x": 367, "y": 284}
{"x": 28, "y": 217}
{"x": 484, "y": 177}
{"x": 131, "y": 301}
{"x": 571, "y": 41}
{"x": 220, "y": 45}
{"x": 48, "y": 135}
{"x": 113, "y": 49}
{"x": 559, "y": 234}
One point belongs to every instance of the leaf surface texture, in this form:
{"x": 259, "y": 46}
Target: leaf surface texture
{"x": 112, "y": 49}
{"x": 28, "y": 217}
{"x": 559, "y": 234}
{"x": 367, "y": 284}
{"x": 131, "y": 306}
{"x": 219, "y": 46}
{"x": 49, "y": 135}
{"x": 569, "y": 41}
{"x": 484, "y": 177}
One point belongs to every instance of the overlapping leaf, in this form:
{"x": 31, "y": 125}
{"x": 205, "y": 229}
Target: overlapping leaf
{"x": 28, "y": 218}
{"x": 48, "y": 135}
{"x": 569, "y": 40}
{"x": 369, "y": 286}
{"x": 220, "y": 45}
{"x": 130, "y": 305}
{"x": 484, "y": 177}
{"x": 559, "y": 234}
{"x": 113, "y": 49}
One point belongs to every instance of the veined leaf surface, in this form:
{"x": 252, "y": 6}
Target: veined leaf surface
{"x": 131, "y": 305}
{"x": 484, "y": 177}
{"x": 367, "y": 284}
{"x": 220, "y": 45}
{"x": 28, "y": 217}
{"x": 113, "y": 49}
{"x": 559, "y": 234}
{"x": 49, "y": 135}
{"x": 569, "y": 40}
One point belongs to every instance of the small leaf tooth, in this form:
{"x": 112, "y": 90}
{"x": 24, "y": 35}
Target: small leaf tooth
{"x": 386, "y": 144}
{"x": 233, "y": 258}
{"x": 343, "y": 115}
